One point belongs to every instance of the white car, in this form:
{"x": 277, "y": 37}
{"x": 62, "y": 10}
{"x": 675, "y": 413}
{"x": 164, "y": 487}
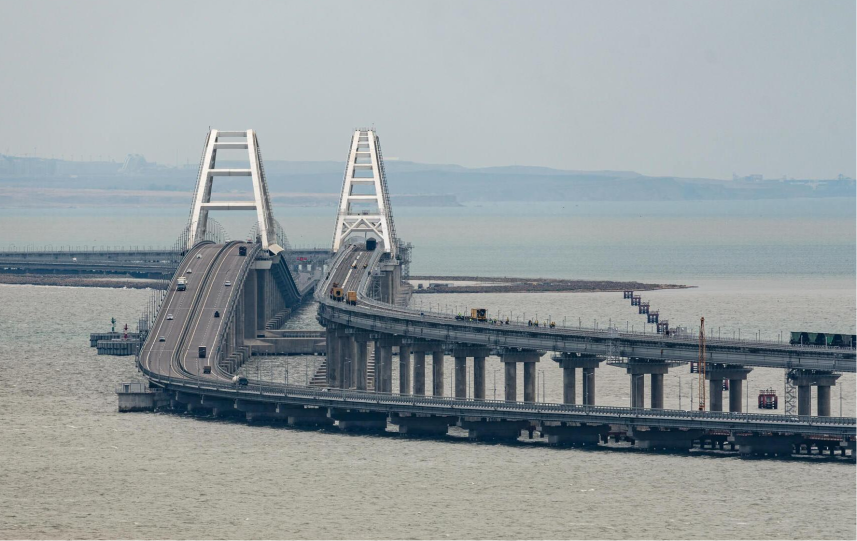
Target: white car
{"x": 188, "y": 271}
{"x": 199, "y": 256}
{"x": 169, "y": 317}
{"x": 228, "y": 283}
{"x": 162, "y": 339}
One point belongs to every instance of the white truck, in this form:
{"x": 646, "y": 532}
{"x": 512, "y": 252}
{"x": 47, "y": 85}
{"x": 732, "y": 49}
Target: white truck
{"x": 181, "y": 284}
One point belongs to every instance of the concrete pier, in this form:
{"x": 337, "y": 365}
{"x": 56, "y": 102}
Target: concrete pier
{"x": 359, "y": 421}
{"x": 437, "y": 372}
{"x": 637, "y": 391}
{"x": 479, "y": 378}
{"x": 573, "y": 434}
{"x": 405, "y": 369}
{"x": 657, "y": 391}
{"x": 530, "y": 382}
{"x": 419, "y": 373}
{"x": 481, "y": 430}
{"x": 570, "y": 362}
{"x": 653, "y": 439}
{"x": 510, "y": 358}
{"x": 384, "y": 366}
{"x": 511, "y": 381}
{"x": 360, "y": 361}
{"x": 637, "y": 368}
{"x": 805, "y": 380}
{"x": 417, "y": 425}
{"x": 461, "y": 377}
{"x": 716, "y": 374}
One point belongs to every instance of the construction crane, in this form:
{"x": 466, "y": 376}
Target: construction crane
{"x": 701, "y": 364}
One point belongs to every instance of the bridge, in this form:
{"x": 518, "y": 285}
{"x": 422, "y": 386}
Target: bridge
{"x": 205, "y": 330}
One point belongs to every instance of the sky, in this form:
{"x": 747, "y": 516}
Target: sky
{"x": 692, "y": 89}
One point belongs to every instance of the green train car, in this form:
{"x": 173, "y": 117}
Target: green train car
{"x": 800, "y": 338}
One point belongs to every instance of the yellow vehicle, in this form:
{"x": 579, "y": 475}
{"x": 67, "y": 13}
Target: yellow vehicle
{"x": 336, "y": 294}
{"x": 351, "y": 298}
{"x": 478, "y": 314}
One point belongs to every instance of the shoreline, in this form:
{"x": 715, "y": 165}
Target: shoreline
{"x": 448, "y": 284}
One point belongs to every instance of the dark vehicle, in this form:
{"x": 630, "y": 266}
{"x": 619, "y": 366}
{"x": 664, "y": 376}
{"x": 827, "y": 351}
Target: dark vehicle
{"x": 206, "y": 369}
{"x": 242, "y": 250}
{"x": 202, "y": 352}
{"x": 371, "y": 244}
{"x": 239, "y": 380}
{"x": 216, "y": 313}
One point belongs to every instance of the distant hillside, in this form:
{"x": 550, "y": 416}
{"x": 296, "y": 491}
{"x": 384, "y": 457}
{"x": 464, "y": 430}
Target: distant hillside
{"x": 448, "y": 184}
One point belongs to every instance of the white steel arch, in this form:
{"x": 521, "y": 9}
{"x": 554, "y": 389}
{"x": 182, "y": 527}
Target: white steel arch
{"x": 365, "y": 173}
{"x": 236, "y": 140}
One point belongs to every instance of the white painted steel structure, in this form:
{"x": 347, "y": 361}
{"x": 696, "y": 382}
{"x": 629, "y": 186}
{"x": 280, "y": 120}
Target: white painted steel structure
{"x": 364, "y": 172}
{"x": 202, "y": 203}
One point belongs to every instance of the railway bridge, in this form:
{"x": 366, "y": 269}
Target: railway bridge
{"x": 201, "y": 335}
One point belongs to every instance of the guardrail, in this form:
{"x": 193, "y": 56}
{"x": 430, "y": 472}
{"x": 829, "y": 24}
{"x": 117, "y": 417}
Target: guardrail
{"x": 233, "y": 300}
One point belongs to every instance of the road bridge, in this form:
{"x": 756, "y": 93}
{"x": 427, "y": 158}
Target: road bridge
{"x": 368, "y": 265}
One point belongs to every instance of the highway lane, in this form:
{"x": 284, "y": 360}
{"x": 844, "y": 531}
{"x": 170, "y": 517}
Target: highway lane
{"x": 204, "y": 328}
{"x": 157, "y": 355}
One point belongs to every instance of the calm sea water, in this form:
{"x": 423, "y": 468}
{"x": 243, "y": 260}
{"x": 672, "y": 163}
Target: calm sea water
{"x": 71, "y": 466}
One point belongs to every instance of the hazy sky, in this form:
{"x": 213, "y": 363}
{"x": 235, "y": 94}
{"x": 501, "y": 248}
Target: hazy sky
{"x": 662, "y": 88}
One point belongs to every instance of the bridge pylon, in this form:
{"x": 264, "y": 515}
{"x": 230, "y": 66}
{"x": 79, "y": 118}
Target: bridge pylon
{"x": 202, "y": 203}
{"x": 364, "y": 206}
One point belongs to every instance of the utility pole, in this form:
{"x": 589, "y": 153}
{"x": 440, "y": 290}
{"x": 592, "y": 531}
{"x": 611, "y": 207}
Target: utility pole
{"x": 701, "y": 364}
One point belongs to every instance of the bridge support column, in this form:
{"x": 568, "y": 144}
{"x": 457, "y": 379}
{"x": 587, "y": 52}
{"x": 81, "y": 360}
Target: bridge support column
{"x": 384, "y": 366}
{"x": 404, "y": 369}
{"x": 637, "y": 368}
{"x": 332, "y": 358}
{"x": 715, "y": 394}
{"x": 511, "y": 375}
{"x": 657, "y": 391}
{"x": 479, "y": 378}
{"x": 510, "y": 358}
{"x": 530, "y": 382}
{"x": 736, "y": 375}
{"x": 570, "y": 362}
{"x": 419, "y": 373}
{"x": 805, "y": 379}
{"x": 460, "y": 377}
{"x": 359, "y": 362}
{"x": 437, "y": 372}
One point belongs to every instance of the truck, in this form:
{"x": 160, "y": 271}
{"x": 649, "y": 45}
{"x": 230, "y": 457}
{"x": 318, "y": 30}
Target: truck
{"x": 336, "y": 294}
{"x": 351, "y": 298}
{"x": 242, "y": 250}
{"x": 181, "y": 284}
{"x": 202, "y": 352}
{"x": 478, "y": 314}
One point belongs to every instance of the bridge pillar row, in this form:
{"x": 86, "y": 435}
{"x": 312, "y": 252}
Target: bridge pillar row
{"x": 715, "y": 374}
{"x": 805, "y": 379}
{"x": 510, "y": 358}
{"x": 570, "y": 362}
{"x": 461, "y": 353}
{"x": 637, "y": 368}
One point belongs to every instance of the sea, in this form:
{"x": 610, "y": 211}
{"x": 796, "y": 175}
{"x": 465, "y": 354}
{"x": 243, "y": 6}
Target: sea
{"x": 71, "y": 466}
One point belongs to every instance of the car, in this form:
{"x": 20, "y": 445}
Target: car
{"x": 354, "y": 265}
{"x": 365, "y": 265}
{"x": 161, "y": 339}
{"x": 169, "y": 317}
{"x": 188, "y": 271}
{"x": 199, "y": 256}
{"x": 227, "y": 283}
{"x": 216, "y": 313}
